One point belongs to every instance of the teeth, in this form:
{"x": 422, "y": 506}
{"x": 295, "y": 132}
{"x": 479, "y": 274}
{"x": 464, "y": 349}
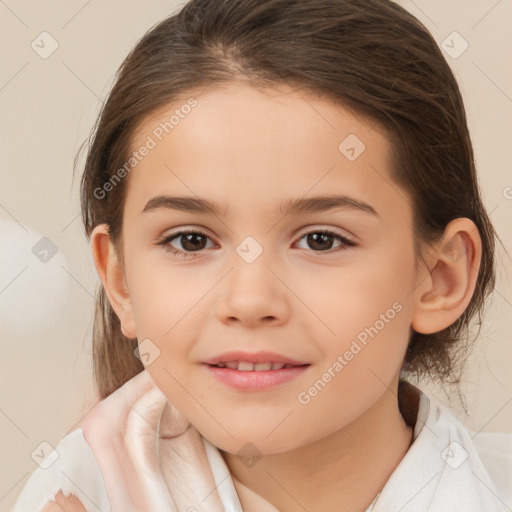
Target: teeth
{"x": 262, "y": 367}
{"x": 251, "y": 367}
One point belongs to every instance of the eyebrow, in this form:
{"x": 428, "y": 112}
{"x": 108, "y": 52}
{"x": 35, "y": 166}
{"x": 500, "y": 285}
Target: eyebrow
{"x": 290, "y": 206}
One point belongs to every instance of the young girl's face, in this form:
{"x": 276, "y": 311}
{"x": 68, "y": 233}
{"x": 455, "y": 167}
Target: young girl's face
{"x": 259, "y": 278}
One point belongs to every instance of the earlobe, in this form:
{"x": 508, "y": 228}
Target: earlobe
{"x": 443, "y": 296}
{"x": 111, "y": 273}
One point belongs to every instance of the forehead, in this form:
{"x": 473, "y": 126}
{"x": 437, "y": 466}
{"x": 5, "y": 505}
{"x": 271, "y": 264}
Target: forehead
{"x": 256, "y": 114}
{"x": 245, "y": 145}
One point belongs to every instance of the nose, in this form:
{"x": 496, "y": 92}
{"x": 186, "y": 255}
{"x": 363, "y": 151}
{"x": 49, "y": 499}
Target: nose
{"x": 253, "y": 294}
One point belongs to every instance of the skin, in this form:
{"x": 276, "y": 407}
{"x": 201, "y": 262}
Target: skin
{"x": 64, "y": 503}
{"x": 251, "y": 149}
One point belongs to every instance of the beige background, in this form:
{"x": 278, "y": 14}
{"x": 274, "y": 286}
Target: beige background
{"x": 47, "y": 108}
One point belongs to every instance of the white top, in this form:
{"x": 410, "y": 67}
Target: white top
{"x": 447, "y": 468}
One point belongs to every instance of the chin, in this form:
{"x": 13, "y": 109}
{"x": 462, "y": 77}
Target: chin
{"x": 252, "y": 441}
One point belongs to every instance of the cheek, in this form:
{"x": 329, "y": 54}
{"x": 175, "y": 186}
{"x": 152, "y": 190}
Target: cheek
{"x": 373, "y": 291}
{"x": 367, "y": 309}
{"x": 167, "y": 297}
{"x": 169, "y": 314}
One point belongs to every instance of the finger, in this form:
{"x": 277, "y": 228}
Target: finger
{"x": 69, "y": 503}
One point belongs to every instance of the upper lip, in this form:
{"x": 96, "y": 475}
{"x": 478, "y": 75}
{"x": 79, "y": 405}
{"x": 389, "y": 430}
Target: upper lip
{"x": 255, "y": 357}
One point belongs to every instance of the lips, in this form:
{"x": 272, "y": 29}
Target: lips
{"x": 256, "y": 372}
{"x": 244, "y": 366}
{"x": 257, "y": 361}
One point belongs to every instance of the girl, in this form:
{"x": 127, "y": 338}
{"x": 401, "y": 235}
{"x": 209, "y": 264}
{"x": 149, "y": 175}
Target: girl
{"x": 284, "y": 213}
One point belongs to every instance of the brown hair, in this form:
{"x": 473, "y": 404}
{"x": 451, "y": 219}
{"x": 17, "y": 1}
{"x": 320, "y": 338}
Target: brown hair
{"x": 370, "y": 56}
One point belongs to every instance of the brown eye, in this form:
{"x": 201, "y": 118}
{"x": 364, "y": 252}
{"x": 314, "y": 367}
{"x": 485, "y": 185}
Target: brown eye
{"x": 190, "y": 242}
{"x": 322, "y": 241}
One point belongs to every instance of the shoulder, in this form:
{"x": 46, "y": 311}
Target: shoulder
{"x": 495, "y": 452}
{"x": 487, "y": 456}
{"x": 456, "y": 469}
{"x": 64, "y": 503}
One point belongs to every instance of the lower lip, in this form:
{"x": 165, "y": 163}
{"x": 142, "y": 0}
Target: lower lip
{"x": 255, "y": 381}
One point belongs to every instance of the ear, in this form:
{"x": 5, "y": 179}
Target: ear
{"x": 112, "y": 276}
{"x": 444, "y": 294}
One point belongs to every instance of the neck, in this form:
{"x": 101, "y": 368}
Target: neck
{"x": 349, "y": 467}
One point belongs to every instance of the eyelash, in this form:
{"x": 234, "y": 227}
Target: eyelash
{"x": 166, "y": 241}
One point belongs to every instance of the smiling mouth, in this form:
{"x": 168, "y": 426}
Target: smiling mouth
{"x": 245, "y": 366}
{"x": 256, "y": 377}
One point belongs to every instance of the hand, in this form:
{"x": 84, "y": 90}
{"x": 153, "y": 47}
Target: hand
{"x": 123, "y": 431}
